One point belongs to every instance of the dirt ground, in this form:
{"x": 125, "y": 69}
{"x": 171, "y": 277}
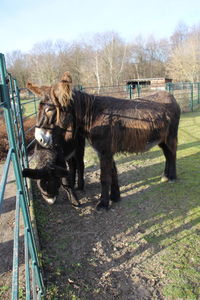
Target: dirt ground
{"x": 7, "y": 223}
{"x": 144, "y": 247}
{"x": 87, "y": 254}
{"x": 4, "y": 145}
{"x": 7, "y": 217}
{"x": 91, "y": 254}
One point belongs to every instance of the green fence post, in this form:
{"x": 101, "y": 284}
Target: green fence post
{"x": 14, "y": 155}
{"x": 21, "y": 124}
{"x": 138, "y": 90}
{"x": 169, "y": 87}
{"x": 192, "y": 97}
{"x": 130, "y": 91}
{"x": 15, "y": 275}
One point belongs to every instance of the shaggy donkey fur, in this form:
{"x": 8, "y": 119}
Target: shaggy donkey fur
{"x": 72, "y": 147}
{"x": 115, "y": 125}
{"x": 51, "y": 173}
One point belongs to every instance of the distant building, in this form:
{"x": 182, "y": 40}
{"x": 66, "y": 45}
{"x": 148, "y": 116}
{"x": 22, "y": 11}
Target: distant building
{"x": 152, "y": 83}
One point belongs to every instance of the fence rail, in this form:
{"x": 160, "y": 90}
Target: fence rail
{"x": 18, "y": 158}
{"x": 186, "y": 93}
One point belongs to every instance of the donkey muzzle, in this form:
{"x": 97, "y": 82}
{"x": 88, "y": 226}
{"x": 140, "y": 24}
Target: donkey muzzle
{"x": 44, "y": 137}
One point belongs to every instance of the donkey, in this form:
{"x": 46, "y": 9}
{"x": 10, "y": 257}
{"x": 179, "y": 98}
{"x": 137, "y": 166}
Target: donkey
{"x": 112, "y": 125}
{"x": 51, "y": 173}
{"x": 73, "y": 147}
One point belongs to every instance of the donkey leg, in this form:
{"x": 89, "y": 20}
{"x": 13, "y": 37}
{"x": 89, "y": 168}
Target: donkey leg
{"x": 80, "y": 171}
{"x": 72, "y": 171}
{"x": 80, "y": 149}
{"x": 172, "y": 145}
{"x": 170, "y": 164}
{"x": 105, "y": 177}
{"x": 70, "y": 193}
{"x": 115, "y": 192}
{"x": 165, "y": 150}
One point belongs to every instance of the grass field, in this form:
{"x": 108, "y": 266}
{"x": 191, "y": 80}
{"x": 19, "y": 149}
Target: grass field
{"x": 161, "y": 222}
{"x": 29, "y": 107}
{"x": 171, "y": 218}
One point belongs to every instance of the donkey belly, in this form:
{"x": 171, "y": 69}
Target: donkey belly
{"x": 150, "y": 145}
{"x": 137, "y": 142}
{"x": 137, "y": 148}
{"x": 133, "y": 140}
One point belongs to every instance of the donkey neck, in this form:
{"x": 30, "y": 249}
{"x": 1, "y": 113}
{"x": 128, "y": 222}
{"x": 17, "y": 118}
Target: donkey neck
{"x": 84, "y": 111}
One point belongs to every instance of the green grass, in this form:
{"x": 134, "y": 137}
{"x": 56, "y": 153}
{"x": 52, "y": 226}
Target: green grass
{"x": 175, "y": 225}
{"x": 4, "y": 289}
{"x": 29, "y": 107}
{"x": 168, "y": 213}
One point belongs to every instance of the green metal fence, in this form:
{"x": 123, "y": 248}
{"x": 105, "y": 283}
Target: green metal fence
{"x": 186, "y": 93}
{"x": 18, "y": 158}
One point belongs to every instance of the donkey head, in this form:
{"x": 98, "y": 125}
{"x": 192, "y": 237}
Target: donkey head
{"x": 49, "y": 180}
{"x": 50, "y": 113}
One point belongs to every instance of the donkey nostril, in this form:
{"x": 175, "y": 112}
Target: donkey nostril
{"x": 41, "y": 140}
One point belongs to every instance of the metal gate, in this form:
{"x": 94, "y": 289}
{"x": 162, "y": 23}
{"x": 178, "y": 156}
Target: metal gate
{"x": 17, "y": 157}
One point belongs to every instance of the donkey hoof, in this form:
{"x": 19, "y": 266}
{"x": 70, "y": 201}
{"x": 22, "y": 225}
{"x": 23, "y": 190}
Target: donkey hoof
{"x": 172, "y": 180}
{"x": 102, "y": 205}
{"x": 80, "y": 187}
{"x": 115, "y": 198}
{"x": 164, "y": 179}
{"x": 77, "y": 204}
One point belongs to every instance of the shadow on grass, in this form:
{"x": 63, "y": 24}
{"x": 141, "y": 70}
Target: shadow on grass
{"x": 147, "y": 155}
{"x": 106, "y": 254}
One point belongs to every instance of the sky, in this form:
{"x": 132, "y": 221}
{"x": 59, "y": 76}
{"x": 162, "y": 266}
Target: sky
{"x": 24, "y": 23}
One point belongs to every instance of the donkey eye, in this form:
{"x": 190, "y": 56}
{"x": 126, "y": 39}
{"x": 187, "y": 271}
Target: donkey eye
{"x": 48, "y": 109}
{"x": 49, "y": 112}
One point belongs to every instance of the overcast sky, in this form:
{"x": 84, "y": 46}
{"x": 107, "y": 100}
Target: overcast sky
{"x": 26, "y": 22}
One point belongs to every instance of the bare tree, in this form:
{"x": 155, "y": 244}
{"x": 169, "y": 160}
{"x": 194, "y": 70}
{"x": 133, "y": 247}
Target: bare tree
{"x": 110, "y": 56}
{"x": 18, "y": 65}
{"x": 184, "y": 62}
{"x": 180, "y": 34}
{"x": 105, "y": 59}
{"x": 43, "y": 62}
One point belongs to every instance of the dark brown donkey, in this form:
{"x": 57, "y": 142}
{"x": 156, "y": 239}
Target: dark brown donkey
{"x": 71, "y": 146}
{"x": 111, "y": 125}
{"x": 51, "y": 173}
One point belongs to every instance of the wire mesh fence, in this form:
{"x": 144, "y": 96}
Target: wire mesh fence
{"x": 186, "y": 93}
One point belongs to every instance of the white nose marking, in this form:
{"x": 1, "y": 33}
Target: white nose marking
{"x": 45, "y": 139}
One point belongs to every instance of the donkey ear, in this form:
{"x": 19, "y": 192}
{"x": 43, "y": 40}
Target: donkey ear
{"x": 34, "y": 88}
{"x": 35, "y": 173}
{"x": 66, "y": 77}
{"x": 62, "y": 91}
